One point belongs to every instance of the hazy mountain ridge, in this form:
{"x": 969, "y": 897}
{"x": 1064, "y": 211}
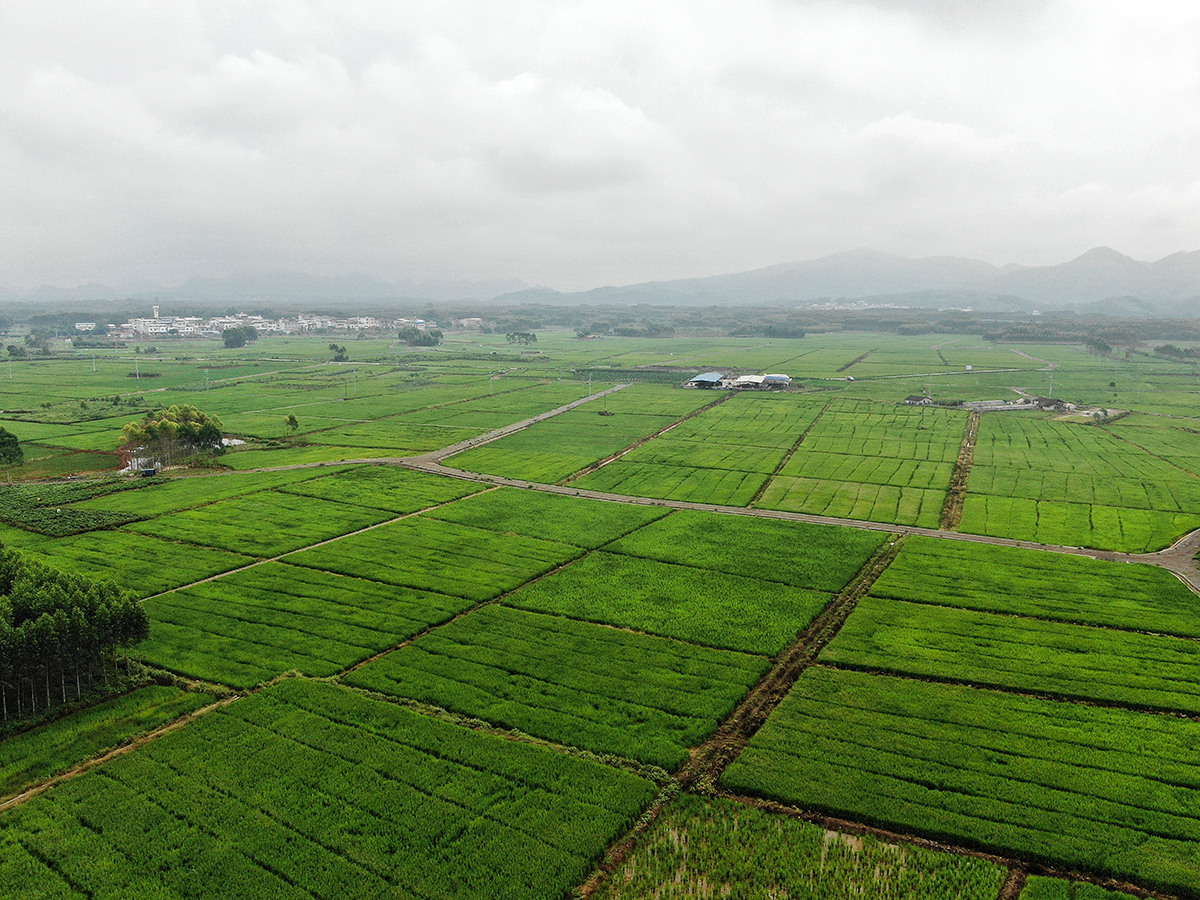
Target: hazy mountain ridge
{"x": 278, "y": 286}
{"x": 1168, "y": 287}
{"x": 1100, "y": 281}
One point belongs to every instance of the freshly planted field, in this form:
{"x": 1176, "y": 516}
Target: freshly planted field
{"x": 253, "y": 625}
{"x": 713, "y": 608}
{"x": 137, "y": 562}
{"x": 388, "y": 488}
{"x": 34, "y": 755}
{"x": 720, "y": 848}
{"x": 265, "y": 524}
{"x": 551, "y": 517}
{"x": 309, "y": 790}
{"x": 610, "y": 691}
{"x": 1023, "y": 582}
{"x": 428, "y": 554}
{"x": 1074, "y": 661}
{"x": 820, "y": 557}
{"x": 1111, "y": 791}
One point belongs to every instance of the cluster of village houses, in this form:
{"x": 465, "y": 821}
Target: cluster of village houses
{"x": 195, "y": 326}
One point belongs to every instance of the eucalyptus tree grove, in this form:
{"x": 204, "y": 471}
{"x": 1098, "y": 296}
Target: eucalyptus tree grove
{"x": 59, "y": 633}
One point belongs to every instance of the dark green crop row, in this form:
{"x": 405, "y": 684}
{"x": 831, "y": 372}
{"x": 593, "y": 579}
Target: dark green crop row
{"x": 1024, "y": 582}
{"x": 1076, "y": 661}
{"x": 312, "y": 791}
{"x": 252, "y": 625}
{"x": 1107, "y": 790}
{"x": 610, "y": 691}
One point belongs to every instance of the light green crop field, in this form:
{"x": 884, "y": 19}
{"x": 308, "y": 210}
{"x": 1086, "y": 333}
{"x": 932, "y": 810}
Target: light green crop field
{"x": 1061, "y": 588}
{"x": 429, "y": 554}
{"x": 255, "y": 624}
{"x": 720, "y": 848}
{"x": 1061, "y": 483}
{"x": 449, "y": 689}
{"x": 606, "y": 690}
{"x": 311, "y": 790}
{"x": 1112, "y": 791}
{"x": 698, "y": 605}
{"x": 47, "y": 750}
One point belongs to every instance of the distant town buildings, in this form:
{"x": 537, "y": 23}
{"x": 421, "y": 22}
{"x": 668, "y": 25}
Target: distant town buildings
{"x": 195, "y": 326}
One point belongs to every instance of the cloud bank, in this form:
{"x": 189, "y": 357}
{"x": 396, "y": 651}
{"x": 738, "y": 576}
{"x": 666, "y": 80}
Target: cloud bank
{"x": 587, "y": 143}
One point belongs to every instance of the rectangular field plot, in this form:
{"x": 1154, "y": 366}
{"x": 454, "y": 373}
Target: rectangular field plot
{"x": 393, "y": 436}
{"x": 551, "y": 517}
{"x": 310, "y": 790}
{"x": 41, "y": 752}
{"x": 850, "y": 500}
{"x": 557, "y": 448}
{"x": 1062, "y": 483}
{"x": 172, "y": 495}
{"x": 872, "y": 461}
{"x": 1074, "y": 524}
{"x": 263, "y": 525}
{"x": 253, "y": 625}
{"x": 717, "y": 848}
{"x": 137, "y": 562}
{"x": 721, "y": 487}
{"x": 863, "y": 428}
{"x": 722, "y": 456}
{"x": 772, "y": 421}
{"x": 1110, "y": 791}
{"x": 699, "y": 605}
{"x": 428, "y": 554}
{"x": 1074, "y": 661}
{"x": 819, "y": 557}
{"x": 610, "y": 691}
{"x": 1047, "y": 586}
{"x": 389, "y": 488}
{"x": 1039, "y": 887}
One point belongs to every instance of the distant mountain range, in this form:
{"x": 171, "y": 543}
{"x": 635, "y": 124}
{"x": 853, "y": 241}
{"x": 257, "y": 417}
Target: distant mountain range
{"x": 278, "y": 288}
{"x": 1101, "y": 281}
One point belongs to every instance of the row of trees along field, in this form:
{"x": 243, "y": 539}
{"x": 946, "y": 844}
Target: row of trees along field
{"x": 59, "y": 632}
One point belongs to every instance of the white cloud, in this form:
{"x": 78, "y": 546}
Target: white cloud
{"x": 585, "y": 143}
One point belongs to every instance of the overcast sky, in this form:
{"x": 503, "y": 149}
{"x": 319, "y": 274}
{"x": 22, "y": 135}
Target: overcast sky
{"x": 574, "y": 144}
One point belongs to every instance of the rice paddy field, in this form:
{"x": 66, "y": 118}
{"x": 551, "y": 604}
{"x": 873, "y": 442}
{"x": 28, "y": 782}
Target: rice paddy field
{"x": 375, "y": 680}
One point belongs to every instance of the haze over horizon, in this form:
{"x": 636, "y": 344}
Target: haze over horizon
{"x": 595, "y": 144}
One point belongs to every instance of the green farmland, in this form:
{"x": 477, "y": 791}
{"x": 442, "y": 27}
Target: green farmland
{"x": 377, "y": 670}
